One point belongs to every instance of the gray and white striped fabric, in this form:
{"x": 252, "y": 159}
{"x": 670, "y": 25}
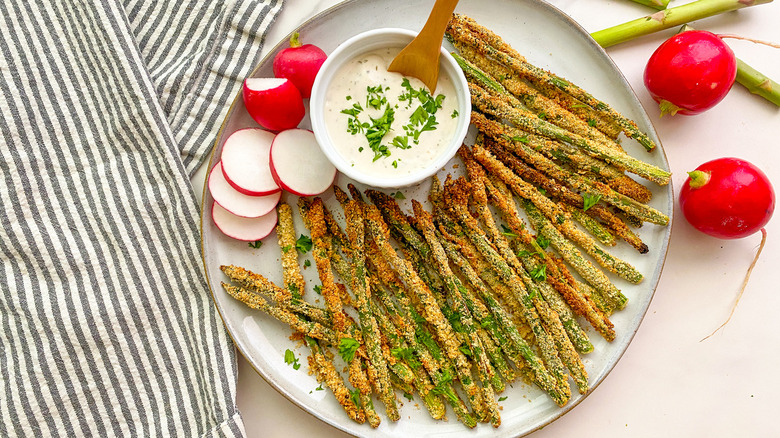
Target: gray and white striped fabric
{"x": 106, "y": 323}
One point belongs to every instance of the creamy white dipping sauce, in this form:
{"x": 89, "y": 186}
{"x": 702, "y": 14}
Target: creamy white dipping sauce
{"x": 350, "y": 115}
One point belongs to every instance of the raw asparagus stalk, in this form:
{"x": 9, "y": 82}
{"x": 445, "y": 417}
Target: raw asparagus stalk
{"x": 669, "y": 18}
{"x": 758, "y": 83}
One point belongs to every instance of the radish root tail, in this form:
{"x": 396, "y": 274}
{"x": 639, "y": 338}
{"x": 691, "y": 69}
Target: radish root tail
{"x": 744, "y": 284}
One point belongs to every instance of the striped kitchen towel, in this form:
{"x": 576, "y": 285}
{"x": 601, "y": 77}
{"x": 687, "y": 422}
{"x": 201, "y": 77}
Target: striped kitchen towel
{"x": 107, "y": 327}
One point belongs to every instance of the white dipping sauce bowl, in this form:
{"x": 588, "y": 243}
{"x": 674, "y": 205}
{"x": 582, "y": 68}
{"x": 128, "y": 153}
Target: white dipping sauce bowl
{"x": 355, "y": 46}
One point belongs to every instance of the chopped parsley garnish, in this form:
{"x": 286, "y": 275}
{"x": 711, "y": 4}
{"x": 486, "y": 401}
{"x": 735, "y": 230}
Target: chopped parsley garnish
{"x": 347, "y": 349}
{"x": 539, "y": 273}
{"x": 506, "y": 231}
{"x": 542, "y": 241}
{"x": 398, "y": 195}
{"x": 290, "y": 359}
{"x": 376, "y": 128}
{"x": 256, "y": 244}
{"x": 303, "y": 244}
{"x": 589, "y": 201}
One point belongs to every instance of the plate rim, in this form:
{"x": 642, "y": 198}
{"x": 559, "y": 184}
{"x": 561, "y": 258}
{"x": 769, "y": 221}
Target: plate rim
{"x": 654, "y": 278}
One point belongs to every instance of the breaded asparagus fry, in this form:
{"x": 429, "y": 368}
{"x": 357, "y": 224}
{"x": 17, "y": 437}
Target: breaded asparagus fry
{"x": 296, "y": 322}
{"x": 582, "y": 305}
{"x": 326, "y": 372}
{"x": 511, "y": 271}
{"x": 486, "y": 102}
{"x": 432, "y": 311}
{"x": 454, "y": 286}
{"x": 516, "y": 92}
{"x": 360, "y": 287}
{"x": 556, "y": 215}
{"x": 466, "y": 30}
{"x": 291, "y": 271}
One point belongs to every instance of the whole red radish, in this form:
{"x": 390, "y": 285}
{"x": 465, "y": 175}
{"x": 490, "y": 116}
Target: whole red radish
{"x": 727, "y": 198}
{"x": 274, "y": 103}
{"x": 690, "y": 72}
{"x": 299, "y": 63}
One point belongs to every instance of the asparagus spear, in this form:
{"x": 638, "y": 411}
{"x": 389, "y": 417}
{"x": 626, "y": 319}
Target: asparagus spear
{"x": 455, "y": 287}
{"x": 296, "y": 322}
{"x": 489, "y": 104}
{"x": 556, "y": 274}
{"x": 669, "y": 18}
{"x": 515, "y": 274}
{"x": 758, "y": 83}
{"x": 432, "y": 311}
{"x": 466, "y": 30}
{"x": 656, "y": 4}
{"x": 410, "y": 323}
{"x": 496, "y": 77}
{"x": 594, "y": 227}
{"x": 571, "y": 255}
{"x": 326, "y": 372}
{"x": 256, "y": 283}
{"x": 513, "y": 140}
{"x": 344, "y": 327}
{"x": 477, "y": 178}
{"x": 285, "y": 232}
{"x": 360, "y": 286}
{"x": 399, "y": 348}
{"x": 555, "y": 213}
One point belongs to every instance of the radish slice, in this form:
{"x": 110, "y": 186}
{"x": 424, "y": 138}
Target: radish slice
{"x": 246, "y": 162}
{"x": 298, "y": 164}
{"x": 236, "y": 202}
{"x": 243, "y": 228}
{"x": 274, "y": 103}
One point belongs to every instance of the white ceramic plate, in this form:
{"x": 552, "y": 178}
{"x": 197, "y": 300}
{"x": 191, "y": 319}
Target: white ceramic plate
{"x": 547, "y": 38}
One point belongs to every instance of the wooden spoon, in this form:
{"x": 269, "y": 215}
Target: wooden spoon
{"x": 420, "y": 59}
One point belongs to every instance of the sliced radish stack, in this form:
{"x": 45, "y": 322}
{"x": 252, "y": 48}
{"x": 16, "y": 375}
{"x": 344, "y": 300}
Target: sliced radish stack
{"x": 243, "y": 228}
{"x": 236, "y": 202}
{"x": 274, "y": 103}
{"x": 246, "y": 162}
{"x": 298, "y": 164}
